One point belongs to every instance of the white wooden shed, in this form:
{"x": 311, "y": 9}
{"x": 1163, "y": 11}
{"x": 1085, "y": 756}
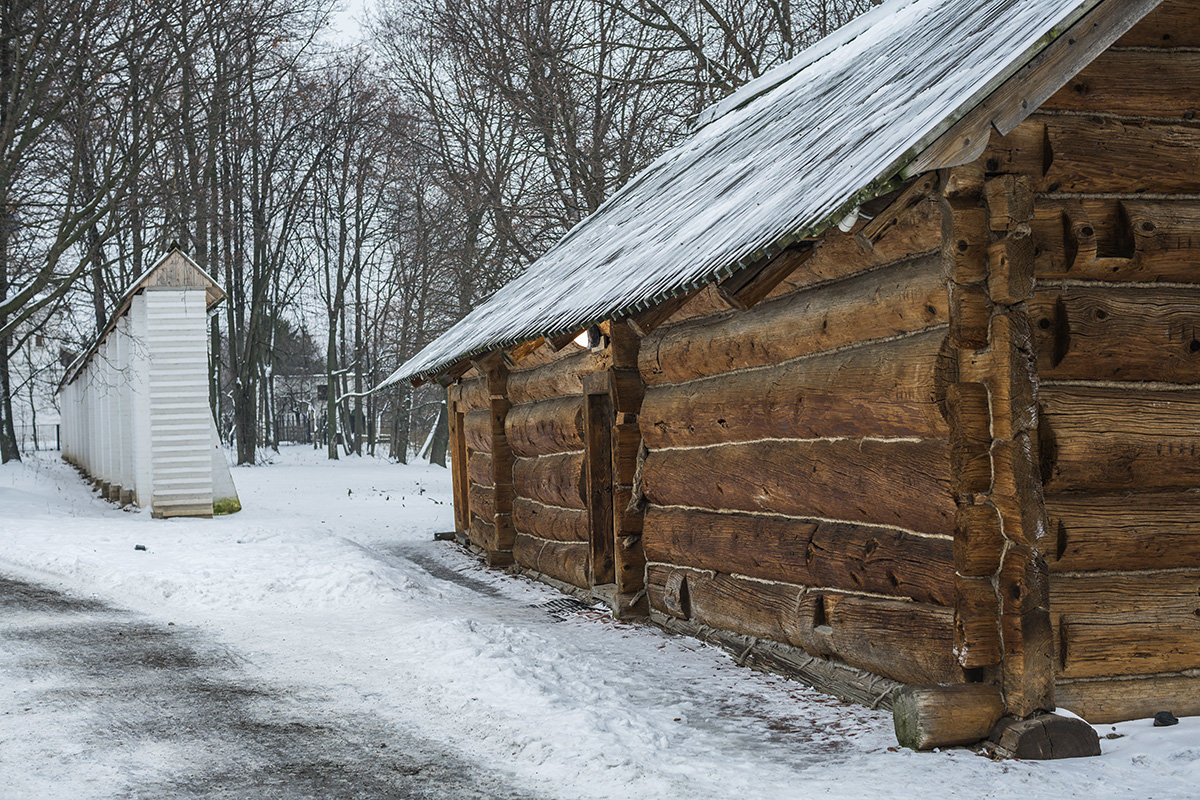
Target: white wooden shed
{"x": 135, "y": 410}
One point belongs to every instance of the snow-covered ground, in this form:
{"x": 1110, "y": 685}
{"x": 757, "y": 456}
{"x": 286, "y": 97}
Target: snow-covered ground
{"x": 326, "y": 607}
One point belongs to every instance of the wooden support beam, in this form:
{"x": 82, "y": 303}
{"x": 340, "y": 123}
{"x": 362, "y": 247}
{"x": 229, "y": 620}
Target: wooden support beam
{"x": 519, "y": 352}
{"x": 894, "y": 213}
{"x": 748, "y": 286}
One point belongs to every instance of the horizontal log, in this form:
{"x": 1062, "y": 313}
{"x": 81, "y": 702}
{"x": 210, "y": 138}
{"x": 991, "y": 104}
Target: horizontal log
{"x": 1093, "y": 154}
{"x": 916, "y": 233}
{"x": 482, "y": 501}
{"x": 482, "y": 533}
{"x": 926, "y": 717}
{"x": 1149, "y": 83}
{"x": 559, "y": 378}
{"x": 555, "y": 480}
{"x": 821, "y": 554}
{"x": 1130, "y": 240}
{"x": 1102, "y": 645}
{"x": 879, "y": 304}
{"x": 1107, "y": 701}
{"x": 898, "y": 484}
{"x": 477, "y": 428}
{"x": 908, "y": 642}
{"x": 831, "y": 677}
{"x": 1173, "y": 24}
{"x": 546, "y": 426}
{"x": 474, "y": 394}
{"x": 887, "y": 389}
{"x": 1123, "y": 531}
{"x": 1165, "y": 594}
{"x": 1133, "y": 334}
{"x": 550, "y": 522}
{"x": 479, "y": 468}
{"x": 1097, "y": 439}
{"x": 564, "y": 561}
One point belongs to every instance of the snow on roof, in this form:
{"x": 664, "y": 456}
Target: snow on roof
{"x": 779, "y": 160}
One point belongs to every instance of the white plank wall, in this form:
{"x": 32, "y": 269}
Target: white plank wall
{"x": 135, "y": 410}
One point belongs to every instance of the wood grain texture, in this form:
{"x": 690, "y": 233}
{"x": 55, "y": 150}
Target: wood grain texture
{"x": 545, "y": 426}
{"x": 926, "y": 717}
{"x": 878, "y": 304}
{"x": 898, "y": 484}
{"x": 564, "y": 561}
{"x": 474, "y": 393}
{"x": 482, "y": 533}
{"x": 908, "y": 642}
{"x": 477, "y": 428}
{"x": 555, "y": 480}
{"x": 559, "y": 378}
{"x": 549, "y": 522}
{"x": 886, "y": 389}
{"x": 479, "y": 468}
{"x": 482, "y": 501}
{"x": 1134, "y": 240}
{"x": 1093, "y": 154}
{"x": 1123, "y": 531}
{"x": 822, "y": 554}
{"x": 1148, "y": 83}
{"x": 1097, "y": 439}
{"x": 1106, "y": 701}
{"x": 1101, "y": 645}
{"x": 1175, "y": 23}
{"x": 1118, "y": 334}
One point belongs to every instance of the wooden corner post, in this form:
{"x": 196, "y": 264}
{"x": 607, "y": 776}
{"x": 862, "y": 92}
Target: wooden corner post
{"x": 1002, "y": 621}
{"x": 458, "y": 458}
{"x": 498, "y": 550}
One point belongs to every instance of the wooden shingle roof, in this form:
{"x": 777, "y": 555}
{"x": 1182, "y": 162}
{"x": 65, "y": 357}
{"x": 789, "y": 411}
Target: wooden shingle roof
{"x": 909, "y": 86}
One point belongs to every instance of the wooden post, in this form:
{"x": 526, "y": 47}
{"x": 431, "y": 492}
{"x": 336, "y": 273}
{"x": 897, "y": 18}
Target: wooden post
{"x": 458, "y": 458}
{"x": 598, "y": 425}
{"x": 1002, "y": 621}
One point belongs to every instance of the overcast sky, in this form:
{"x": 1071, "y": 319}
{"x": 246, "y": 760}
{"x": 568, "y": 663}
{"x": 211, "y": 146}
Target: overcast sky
{"x": 347, "y": 20}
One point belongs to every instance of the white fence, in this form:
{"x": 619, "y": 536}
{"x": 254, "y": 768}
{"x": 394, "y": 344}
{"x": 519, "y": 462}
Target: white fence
{"x": 134, "y": 407}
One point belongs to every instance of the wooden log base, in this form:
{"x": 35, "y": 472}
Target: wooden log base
{"x": 841, "y": 681}
{"x": 945, "y": 716}
{"x": 1043, "y": 737}
{"x": 624, "y": 605}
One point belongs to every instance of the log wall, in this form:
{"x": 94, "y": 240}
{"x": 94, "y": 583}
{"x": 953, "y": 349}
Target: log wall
{"x": 796, "y": 475}
{"x": 545, "y": 429}
{"x": 1113, "y": 167}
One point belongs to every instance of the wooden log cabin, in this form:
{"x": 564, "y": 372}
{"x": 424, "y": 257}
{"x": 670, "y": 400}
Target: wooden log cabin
{"x": 887, "y": 377}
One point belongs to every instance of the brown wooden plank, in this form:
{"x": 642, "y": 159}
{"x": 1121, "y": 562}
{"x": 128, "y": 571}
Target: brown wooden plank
{"x": 822, "y": 554}
{"x": 1115, "y": 594}
{"x": 1106, "y": 701}
{"x": 879, "y": 304}
{"x": 1097, "y": 439}
{"x": 1147, "y": 83}
{"x": 1175, "y": 23}
{"x": 1120, "y": 334}
{"x": 564, "y": 561}
{"x": 1094, "y": 154}
{"x": 886, "y": 389}
{"x": 598, "y": 474}
{"x": 479, "y": 468}
{"x": 898, "y": 484}
{"x": 1123, "y": 531}
{"x": 1102, "y": 645}
{"x": 549, "y": 522}
{"x": 645, "y": 322}
{"x": 750, "y": 285}
{"x": 482, "y": 533}
{"x": 556, "y": 480}
{"x": 545, "y": 426}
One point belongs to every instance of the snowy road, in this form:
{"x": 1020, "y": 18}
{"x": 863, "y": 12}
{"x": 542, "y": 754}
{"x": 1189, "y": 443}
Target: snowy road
{"x": 320, "y": 644}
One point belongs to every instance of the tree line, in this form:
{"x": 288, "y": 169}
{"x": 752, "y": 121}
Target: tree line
{"x": 353, "y": 199}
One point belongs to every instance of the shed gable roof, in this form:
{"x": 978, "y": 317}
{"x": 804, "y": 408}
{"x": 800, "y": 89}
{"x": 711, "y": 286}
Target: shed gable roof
{"x": 781, "y": 159}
